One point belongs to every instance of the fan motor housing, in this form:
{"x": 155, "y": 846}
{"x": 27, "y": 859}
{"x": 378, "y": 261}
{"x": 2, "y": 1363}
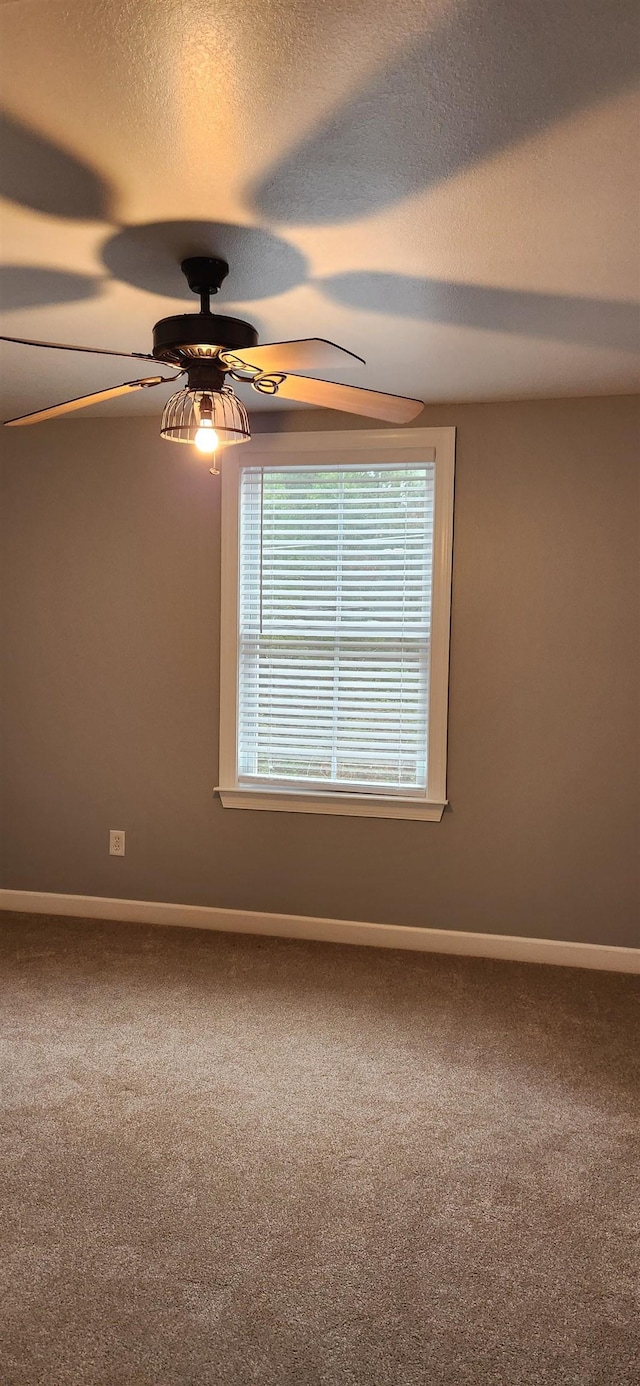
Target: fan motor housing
{"x": 191, "y": 336}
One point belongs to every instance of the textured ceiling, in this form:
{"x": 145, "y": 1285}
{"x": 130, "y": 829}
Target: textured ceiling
{"x": 447, "y": 187}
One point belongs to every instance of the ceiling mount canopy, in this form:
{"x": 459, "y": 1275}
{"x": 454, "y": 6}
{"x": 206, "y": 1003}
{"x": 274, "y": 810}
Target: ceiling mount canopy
{"x": 204, "y": 275}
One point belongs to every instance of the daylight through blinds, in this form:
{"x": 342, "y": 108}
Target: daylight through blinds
{"x": 335, "y": 614}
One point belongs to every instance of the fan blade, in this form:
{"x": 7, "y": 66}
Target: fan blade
{"x": 63, "y": 346}
{"x": 309, "y": 354}
{"x": 68, "y": 406}
{"x": 352, "y": 399}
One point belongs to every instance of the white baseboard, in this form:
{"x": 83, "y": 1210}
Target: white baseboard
{"x": 537, "y": 950}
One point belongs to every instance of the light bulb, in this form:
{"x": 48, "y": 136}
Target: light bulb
{"x": 206, "y": 439}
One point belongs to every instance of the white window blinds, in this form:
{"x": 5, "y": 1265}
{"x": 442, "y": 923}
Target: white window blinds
{"x": 334, "y": 626}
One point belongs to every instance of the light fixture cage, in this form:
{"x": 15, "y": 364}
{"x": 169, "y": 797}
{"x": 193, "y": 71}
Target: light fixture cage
{"x": 181, "y": 417}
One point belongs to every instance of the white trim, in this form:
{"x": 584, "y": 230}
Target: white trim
{"x": 441, "y": 615}
{"x": 347, "y": 440}
{"x": 324, "y": 801}
{"x": 283, "y": 449}
{"x": 604, "y": 957}
{"x": 229, "y": 603}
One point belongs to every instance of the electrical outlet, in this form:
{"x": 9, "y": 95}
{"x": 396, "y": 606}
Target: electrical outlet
{"x": 116, "y": 842}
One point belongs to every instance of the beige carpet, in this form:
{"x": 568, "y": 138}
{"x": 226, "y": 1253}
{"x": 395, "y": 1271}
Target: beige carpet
{"x": 232, "y": 1160}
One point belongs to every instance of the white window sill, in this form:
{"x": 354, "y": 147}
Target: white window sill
{"x": 311, "y": 801}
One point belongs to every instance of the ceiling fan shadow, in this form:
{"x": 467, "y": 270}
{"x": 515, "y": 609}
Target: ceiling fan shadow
{"x": 148, "y": 256}
{"x": 488, "y": 75}
{"x": 31, "y": 286}
{"x": 591, "y": 322}
{"x": 37, "y": 173}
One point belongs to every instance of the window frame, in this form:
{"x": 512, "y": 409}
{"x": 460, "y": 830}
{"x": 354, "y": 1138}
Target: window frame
{"x": 328, "y": 449}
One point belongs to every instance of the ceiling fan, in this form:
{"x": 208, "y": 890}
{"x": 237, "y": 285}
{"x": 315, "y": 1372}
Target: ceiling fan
{"x": 207, "y": 348}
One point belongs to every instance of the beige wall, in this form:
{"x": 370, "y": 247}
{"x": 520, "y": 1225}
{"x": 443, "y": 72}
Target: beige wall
{"x": 111, "y": 591}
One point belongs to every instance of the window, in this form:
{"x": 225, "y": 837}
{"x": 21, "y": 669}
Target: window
{"x": 336, "y": 576}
